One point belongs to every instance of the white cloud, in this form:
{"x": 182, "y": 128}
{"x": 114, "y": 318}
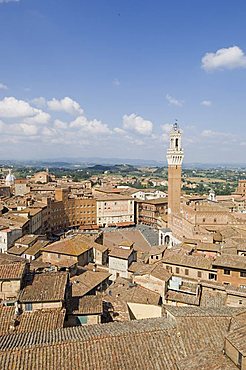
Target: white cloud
{"x": 39, "y": 102}
{"x": 225, "y": 58}
{"x": 66, "y": 105}
{"x": 166, "y": 128}
{"x": 10, "y": 107}
{"x": 173, "y": 101}
{"x": 120, "y": 131}
{"x": 28, "y": 129}
{"x": 217, "y": 134}
{"x": 3, "y": 86}
{"x": 21, "y": 111}
{"x": 17, "y": 130}
{"x": 46, "y": 131}
{"x": 91, "y": 127}
{"x": 60, "y": 124}
{"x": 40, "y": 118}
{"x": 137, "y": 124}
{"x": 137, "y": 142}
{"x": 206, "y": 103}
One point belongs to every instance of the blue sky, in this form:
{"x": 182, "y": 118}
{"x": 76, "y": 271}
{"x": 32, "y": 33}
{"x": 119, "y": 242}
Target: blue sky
{"x": 108, "y": 77}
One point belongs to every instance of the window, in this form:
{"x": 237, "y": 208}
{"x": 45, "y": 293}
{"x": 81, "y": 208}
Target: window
{"x": 227, "y": 272}
{"x": 212, "y": 277}
{"x": 203, "y": 220}
{"x": 177, "y": 270}
{"x": 240, "y": 301}
{"x": 199, "y": 274}
{"x": 82, "y": 320}
{"x": 58, "y": 255}
{"x": 242, "y": 273}
{"x": 186, "y": 272}
{"x": 28, "y": 306}
{"x": 169, "y": 268}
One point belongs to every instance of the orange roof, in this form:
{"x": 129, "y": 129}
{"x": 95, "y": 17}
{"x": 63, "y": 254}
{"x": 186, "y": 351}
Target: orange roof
{"x": 74, "y": 246}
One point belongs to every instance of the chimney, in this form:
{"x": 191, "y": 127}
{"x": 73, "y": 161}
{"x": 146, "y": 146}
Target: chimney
{"x": 14, "y": 323}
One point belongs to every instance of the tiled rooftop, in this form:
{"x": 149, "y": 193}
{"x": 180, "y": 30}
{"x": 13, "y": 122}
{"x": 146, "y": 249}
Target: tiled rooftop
{"x": 199, "y": 262}
{"x": 36, "y": 247}
{"x": 17, "y": 250}
{"x": 188, "y": 311}
{"x": 45, "y": 287}
{"x": 40, "y": 320}
{"x": 145, "y": 344}
{"x": 122, "y": 253}
{"x": 14, "y": 270}
{"x": 190, "y": 299}
{"x": 85, "y": 282}
{"x": 88, "y": 305}
{"x": 27, "y": 239}
{"x": 237, "y": 262}
{"x": 238, "y": 338}
{"x": 207, "y": 360}
{"x": 114, "y": 238}
{"x": 74, "y": 246}
{"x": 130, "y": 292}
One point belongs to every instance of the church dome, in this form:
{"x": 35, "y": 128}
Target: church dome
{"x": 10, "y": 179}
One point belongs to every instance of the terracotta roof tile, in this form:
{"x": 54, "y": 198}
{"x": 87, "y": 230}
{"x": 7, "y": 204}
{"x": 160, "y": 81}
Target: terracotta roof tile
{"x": 84, "y": 283}
{"x": 199, "y": 262}
{"x": 12, "y": 271}
{"x": 145, "y": 344}
{"x": 207, "y": 360}
{"x": 237, "y": 262}
{"x": 74, "y": 246}
{"x": 45, "y": 287}
{"x": 121, "y": 253}
{"x": 88, "y": 305}
{"x": 130, "y": 292}
{"x": 237, "y": 339}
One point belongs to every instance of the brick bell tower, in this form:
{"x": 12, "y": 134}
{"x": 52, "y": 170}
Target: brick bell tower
{"x": 175, "y": 157}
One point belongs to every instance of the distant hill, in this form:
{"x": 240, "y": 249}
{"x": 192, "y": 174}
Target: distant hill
{"x": 107, "y": 163}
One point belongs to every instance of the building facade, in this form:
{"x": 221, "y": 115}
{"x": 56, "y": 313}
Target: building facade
{"x": 113, "y": 210}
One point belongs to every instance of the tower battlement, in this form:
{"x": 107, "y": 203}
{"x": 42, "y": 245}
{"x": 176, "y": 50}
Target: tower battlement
{"x": 175, "y": 152}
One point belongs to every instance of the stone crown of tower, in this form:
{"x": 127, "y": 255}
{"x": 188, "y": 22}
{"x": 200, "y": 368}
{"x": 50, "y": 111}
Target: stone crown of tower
{"x": 175, "y": 152}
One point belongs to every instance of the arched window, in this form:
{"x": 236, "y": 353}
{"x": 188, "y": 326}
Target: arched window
{"x": 177, "y": 143}
{"x": 167, "y": 239}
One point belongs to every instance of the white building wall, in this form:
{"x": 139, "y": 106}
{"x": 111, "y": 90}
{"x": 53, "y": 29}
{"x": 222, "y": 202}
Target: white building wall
{"x": 36, "y": 222}
{"x": 118, "y": 267}
{"x": 7, "y": 238}
{"x": 115, "y": 211}
{"x": 151, "y": 283}
{"x": 144, "y": 311}
{"x": 144, "y": 195}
